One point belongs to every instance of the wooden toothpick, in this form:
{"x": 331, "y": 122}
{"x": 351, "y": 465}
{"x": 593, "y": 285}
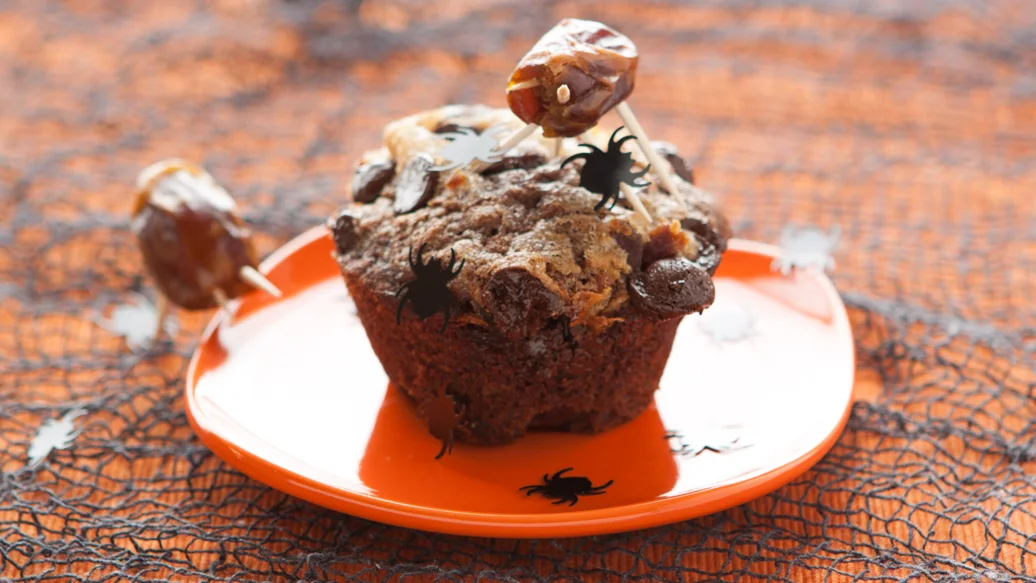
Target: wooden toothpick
{"x": 657, "y": 164}
{"x": 516, "y": 138}
{"x": 564, "y": 94}
{"x": 252, "y": 276}
{"x": 221, "y": 299}
{"x": 162, "y": 306}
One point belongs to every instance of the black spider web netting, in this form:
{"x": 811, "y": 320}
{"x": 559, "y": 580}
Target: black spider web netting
{"x": 911, "y": 126}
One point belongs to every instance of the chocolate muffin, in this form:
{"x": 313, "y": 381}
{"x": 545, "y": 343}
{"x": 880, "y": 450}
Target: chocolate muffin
{"x": 514, "y": 295}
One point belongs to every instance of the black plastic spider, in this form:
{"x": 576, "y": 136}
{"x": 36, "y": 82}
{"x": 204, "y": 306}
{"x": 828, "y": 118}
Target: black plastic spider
{"x": 566, "y": 489}
{"x": 428, "y": 293}
{"x": 604, "y": 172}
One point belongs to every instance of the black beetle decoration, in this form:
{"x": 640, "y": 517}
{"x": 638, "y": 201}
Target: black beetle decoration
{"x": 565, "y": 489}
{"x": 604, "y": 172}
{"x": 443, "y": 418}
{"x": 428, "y": 293}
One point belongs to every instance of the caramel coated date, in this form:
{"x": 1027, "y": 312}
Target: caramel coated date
{"x": 572, "y": 76}
{"x": 193, "y": 242}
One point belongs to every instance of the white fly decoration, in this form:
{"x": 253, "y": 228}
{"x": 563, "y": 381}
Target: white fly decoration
{"x": 54, "y": 434}
{"x": 464, "y": 146}
{"x": 136, "y": 322}
{"x": 806, "y": 248}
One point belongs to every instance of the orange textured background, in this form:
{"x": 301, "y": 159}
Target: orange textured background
{"x": 910, "y": 124}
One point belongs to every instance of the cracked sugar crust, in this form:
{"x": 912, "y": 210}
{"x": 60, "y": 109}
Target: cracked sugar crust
{"x": 535, "y": 249}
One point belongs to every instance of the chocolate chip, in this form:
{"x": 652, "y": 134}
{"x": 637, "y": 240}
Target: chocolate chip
{"x": 672, "y": 287}
{"x": 518, "y": 302}
{"x": 672, "y": 155}
{"x": 343, "y": 228}
{"x": 708, "y": 255}
{"x": 715, "y": 229}
{"x": 370, "y": 178}
{"x": 516, "y": 161}
{"x": 416, "y": 184}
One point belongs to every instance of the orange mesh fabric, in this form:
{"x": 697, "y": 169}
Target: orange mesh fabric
{"x": 911, "y": 124}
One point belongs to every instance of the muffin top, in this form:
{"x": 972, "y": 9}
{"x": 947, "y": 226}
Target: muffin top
{"x": 534, "y": 248}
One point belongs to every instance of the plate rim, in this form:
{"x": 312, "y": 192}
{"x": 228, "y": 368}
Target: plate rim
{"x": 614, "y": 519}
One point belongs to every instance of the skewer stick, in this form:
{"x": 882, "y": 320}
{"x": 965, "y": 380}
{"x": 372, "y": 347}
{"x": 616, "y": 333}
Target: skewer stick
{"x": 564, "y": 94}
{"x": 516, "y": 138}
{"x": 162, "y": 307}
{"x": 636, "y": 203}
{"x": 627, "y": 190}
{"x": 557, "y": 146}
{"x": 527, "y": 84}
{"x": 259, "y": 281}
{"x": 511, "y": 141}
{"x": 657, "y": 164}
{"x": 221, "y": 299}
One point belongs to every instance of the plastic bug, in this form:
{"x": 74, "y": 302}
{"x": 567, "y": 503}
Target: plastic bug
{"x": 428, "y": 293}
{"x": 136, "y": 322}
{"x": 604, "y": 172}
{"x": 466, "y": 146}
{"x": 54, "y": 434}
{"x": 565, "y": 489}
{"x": 443, "y": 417}
{"x": 806, "y": 247}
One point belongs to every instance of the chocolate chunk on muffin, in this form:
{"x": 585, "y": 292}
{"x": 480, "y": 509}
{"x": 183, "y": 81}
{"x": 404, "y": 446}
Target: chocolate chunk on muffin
{"x": 561, "y": 317}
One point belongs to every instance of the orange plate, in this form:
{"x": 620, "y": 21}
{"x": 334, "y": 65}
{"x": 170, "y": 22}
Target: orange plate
{"x": 291, "y": 394}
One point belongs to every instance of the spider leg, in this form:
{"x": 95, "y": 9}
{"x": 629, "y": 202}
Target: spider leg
{"x": 574, "y": 499}
{"x": 611, "y": 140}
{"x": 558, "y": 475}
{"x": 619, "y": 145}
{"x": 636, "y": 175}
{"x": 561, "y": 501}
{"x": 402, "y": 302}
{"x": 420, "y": 254}
{"x": 615, "y": 199}
{"x": 450, "y": 450}
{"x": 453, "y": 260}
{"x": 442, "y": 451}
{"x": 410, "y": 258}
{"x": 579, "y": 156}
{"x": 531, "y": 489}
{"x": 459, "y": 267}
{"x": 600, "y": 489}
